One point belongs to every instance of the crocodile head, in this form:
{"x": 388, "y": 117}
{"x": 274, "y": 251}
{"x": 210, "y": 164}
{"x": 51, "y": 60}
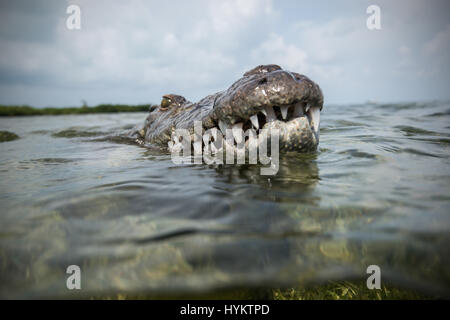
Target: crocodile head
{"x": 266, "y": 97}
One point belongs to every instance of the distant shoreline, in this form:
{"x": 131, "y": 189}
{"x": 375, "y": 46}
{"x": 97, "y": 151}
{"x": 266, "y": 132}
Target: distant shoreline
{"x": 11, "y": 111}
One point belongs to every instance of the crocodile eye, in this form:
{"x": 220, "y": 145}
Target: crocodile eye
{"x": 165, "y": 103}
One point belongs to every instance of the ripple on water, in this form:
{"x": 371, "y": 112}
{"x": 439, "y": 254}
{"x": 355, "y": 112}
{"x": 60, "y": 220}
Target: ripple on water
{"x": 413, "y": 131}
{"x": 377, "y": 192}
{"x": 36, "y": 163}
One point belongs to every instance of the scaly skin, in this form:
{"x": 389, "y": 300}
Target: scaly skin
{"x": 263, "y": 92}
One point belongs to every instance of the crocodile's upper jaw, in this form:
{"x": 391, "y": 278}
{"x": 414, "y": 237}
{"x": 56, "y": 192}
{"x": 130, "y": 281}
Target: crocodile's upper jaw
{"x": 268, "y": 97}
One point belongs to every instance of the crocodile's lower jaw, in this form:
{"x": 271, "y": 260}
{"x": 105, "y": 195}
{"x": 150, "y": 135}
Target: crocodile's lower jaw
{"x": 297, "y": 127}
{"x": 295, "y": 135}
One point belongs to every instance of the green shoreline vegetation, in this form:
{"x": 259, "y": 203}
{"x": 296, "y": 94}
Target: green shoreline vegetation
{"x": 8, "y": 136}
{"x": 10, "y": 111}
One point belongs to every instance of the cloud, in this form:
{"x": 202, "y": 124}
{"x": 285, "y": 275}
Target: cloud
{"x": 439, "y": 43}
{"x": 275, "y": 49}
{"x": 140, "y": 47}
{"x": 230, "y": 16}
{"x": 136, "y": 51}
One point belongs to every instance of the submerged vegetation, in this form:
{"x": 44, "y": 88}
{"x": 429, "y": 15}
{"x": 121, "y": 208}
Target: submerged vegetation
{"x": 345, "y": 290}
{"x": 6, "y": 111}
{"x": 332, "y": 290}
{"x": 8, "y": 136}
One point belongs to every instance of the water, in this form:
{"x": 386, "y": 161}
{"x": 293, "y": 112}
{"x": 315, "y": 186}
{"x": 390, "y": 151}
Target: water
{"x": 73, "y": 192}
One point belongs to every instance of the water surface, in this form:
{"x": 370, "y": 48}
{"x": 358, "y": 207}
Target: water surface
{"x": 73, "y": 192}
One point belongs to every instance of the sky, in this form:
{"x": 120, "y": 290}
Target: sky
{"x": 135, "y": 51}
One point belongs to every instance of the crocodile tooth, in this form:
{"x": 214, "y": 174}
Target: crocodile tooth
{"x": 169, "y": 144}
{"x": 307, "y": 108}
{"x": 252, "y": 144}
{"x": 206, "y": 137}
{"x": 284, "y": 111}
{"x": 314, "y": 113}
{"x": 198, "y": 147}
{"x": 298, "y": 111}
{"x": 264, "y": 112}
{"x": 254, "y": 120}
{"x": 237, "y": 132}
{"x": 270, "y": 114}
{"x": 223, "y": 127}
{"x": 214, "y": 131}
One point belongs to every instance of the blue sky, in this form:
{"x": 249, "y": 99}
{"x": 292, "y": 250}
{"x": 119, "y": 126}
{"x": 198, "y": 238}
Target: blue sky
{"x": 136, "y": 51}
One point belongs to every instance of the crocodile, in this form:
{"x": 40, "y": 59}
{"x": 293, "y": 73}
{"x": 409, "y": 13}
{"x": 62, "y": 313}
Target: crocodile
{"x": 266, "y": 97}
